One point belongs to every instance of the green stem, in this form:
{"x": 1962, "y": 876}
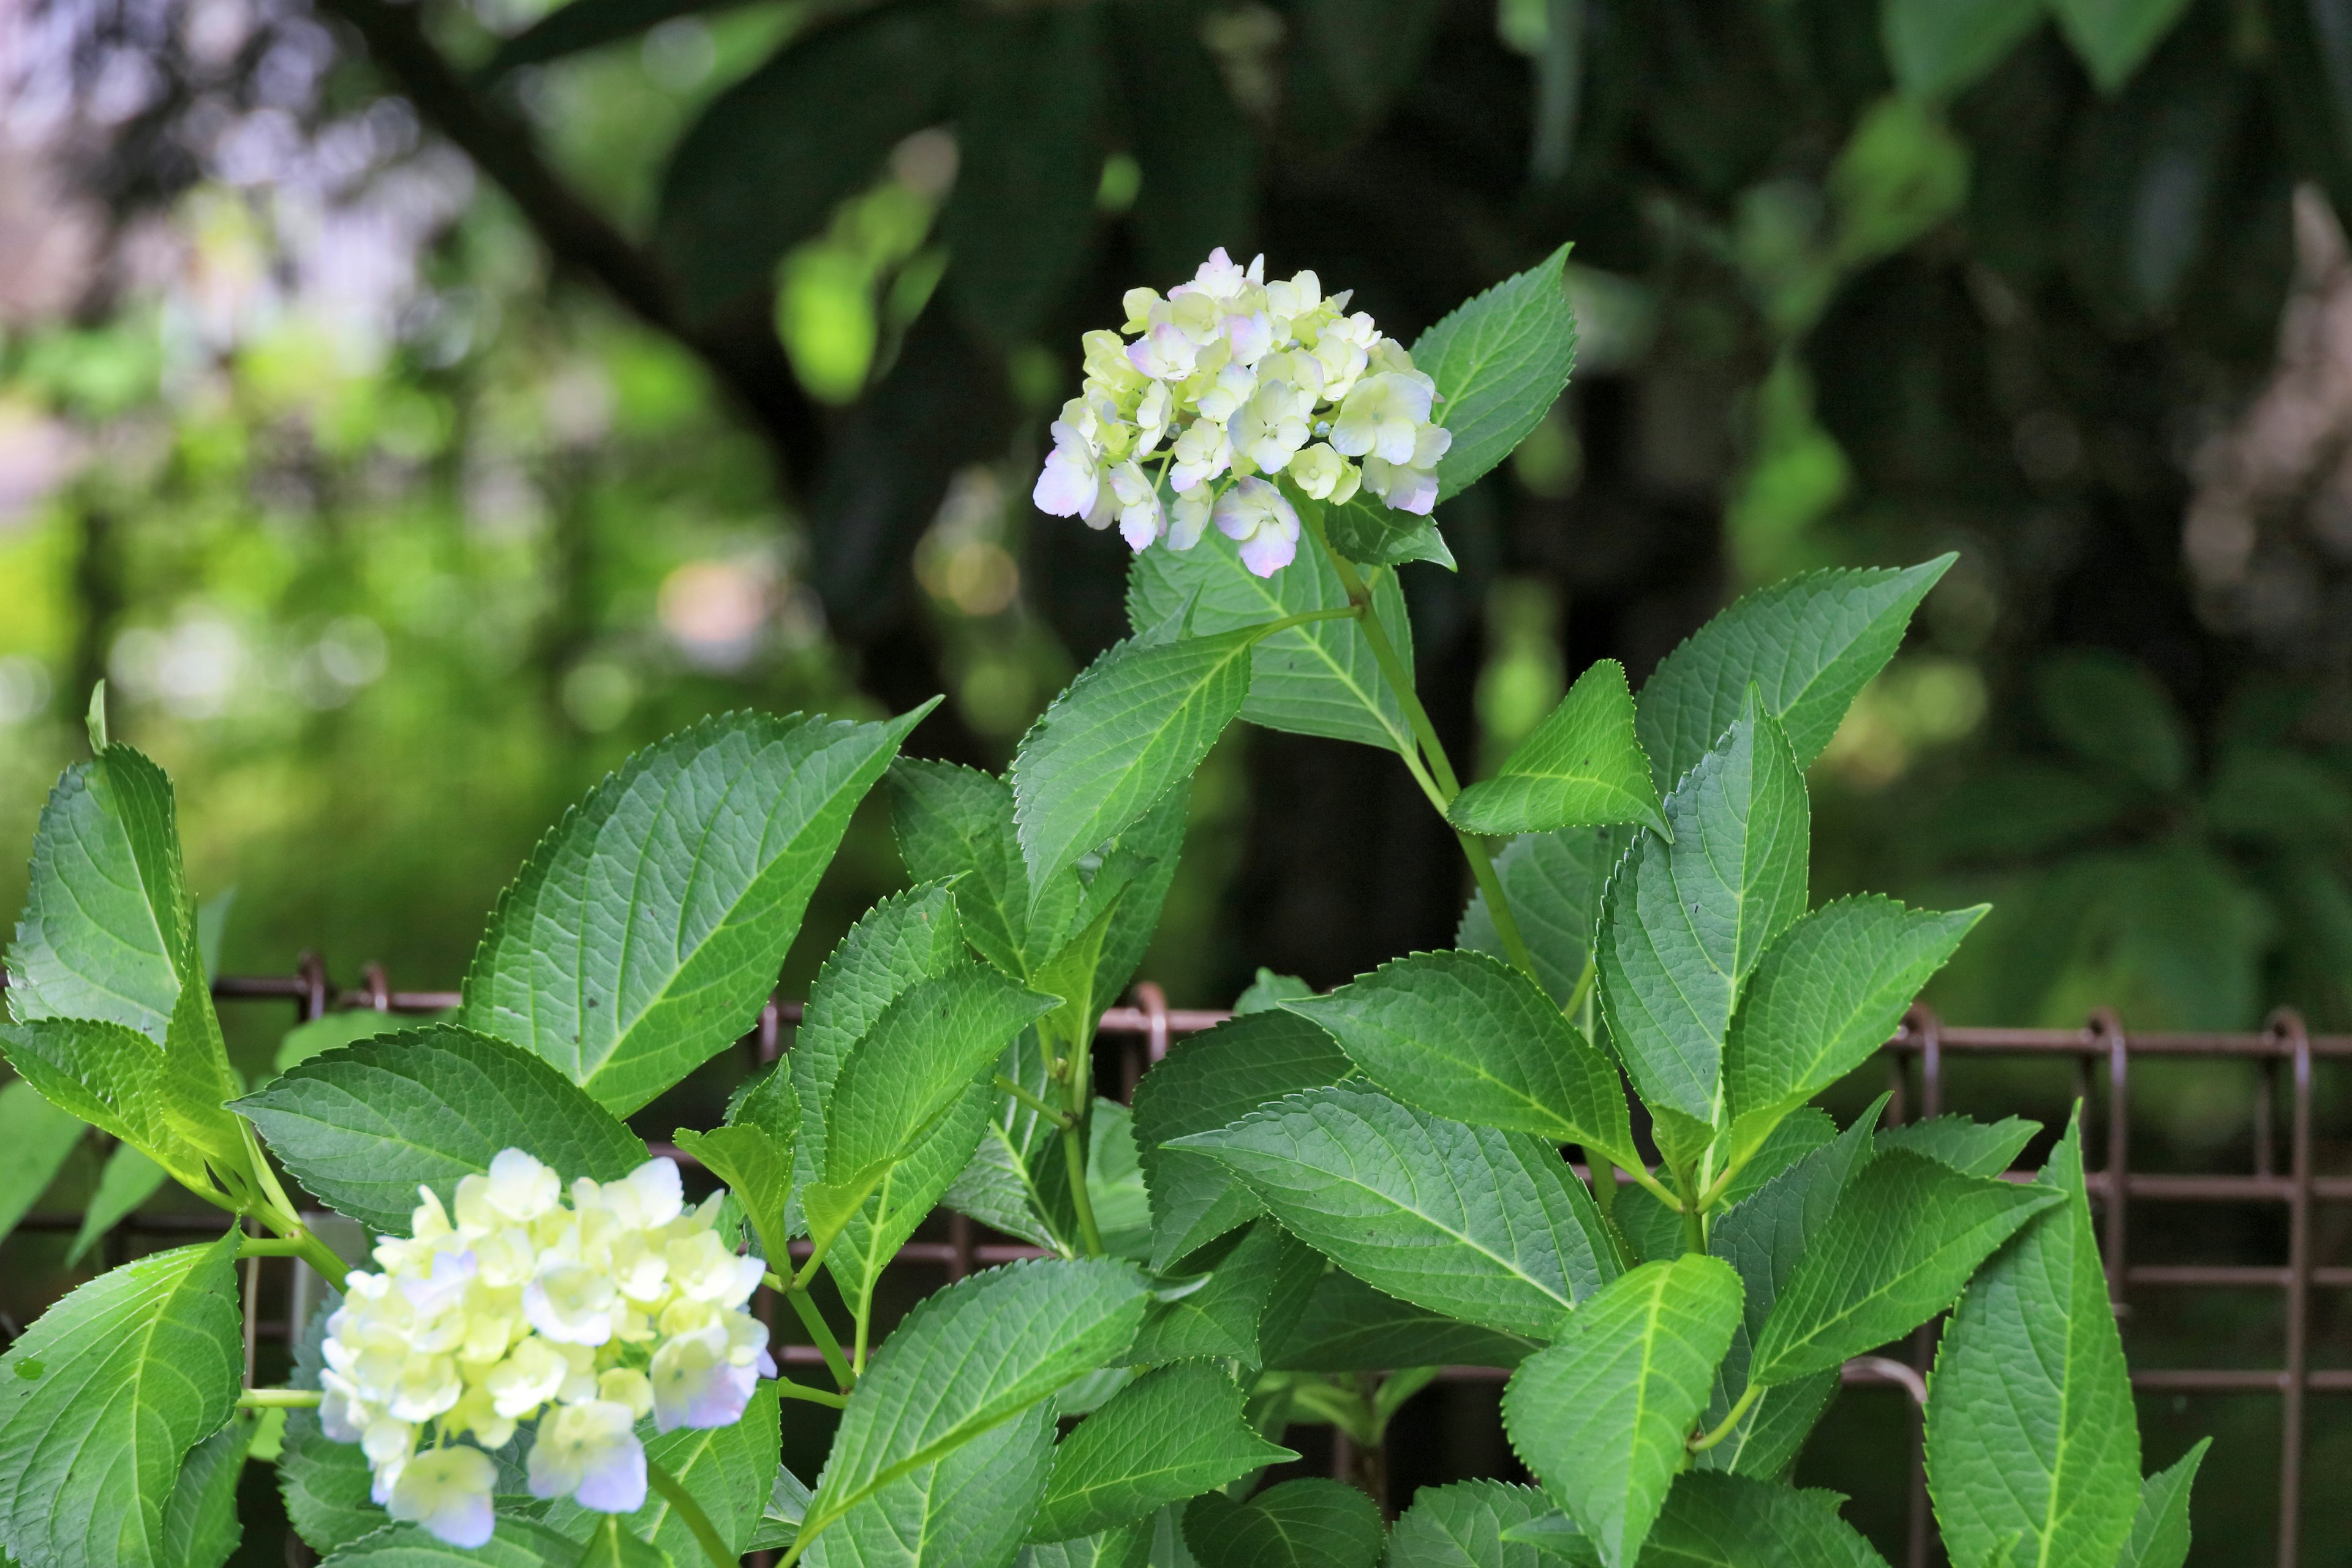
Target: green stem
{"x": 269, "y": 1246}
{"x": 1694, "y": 1215}
{"x": 279, "y": 1399}
{"x": 1584, "y": 979}
{"x": 1074, "y": 1152}
{"x": 298, "y": 1241}
{"x": 790, "y": 1390}
{"x": 1656, "y": 1188}
{"x": 714, "y": 1546}
{"x": 820, "y": 1331}
{"x": 1506, "y": 925}
{"x": 1059, "y": 1118}
{"x": 1731, "y": 1420}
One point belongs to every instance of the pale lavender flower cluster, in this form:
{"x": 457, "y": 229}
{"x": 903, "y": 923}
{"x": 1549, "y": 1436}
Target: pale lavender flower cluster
{"x": 625, "y": 1304}
{"x": 1239, "y": 379}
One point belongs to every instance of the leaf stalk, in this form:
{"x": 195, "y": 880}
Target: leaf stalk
{"x": 714, "y": 1546}
{"x": 1730, "y": 1423}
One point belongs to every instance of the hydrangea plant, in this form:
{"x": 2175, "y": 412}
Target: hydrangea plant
{"x": 1305, "y": 1212}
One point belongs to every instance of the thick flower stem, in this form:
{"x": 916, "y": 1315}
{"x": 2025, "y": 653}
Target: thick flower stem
{"x": 714, "y": 1546}
{"x": 279, "y": 1399}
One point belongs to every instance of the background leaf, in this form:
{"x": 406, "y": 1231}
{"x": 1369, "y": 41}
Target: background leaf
{"x": 1348, "y": 1326}
{"x": 645, "y": 932}
{"x": 35, "y": 1138}
{"x": 364, "y": 1126}
{"x": 128, "y": 1179}
{"x": 2112, "y": 37}
{"x": 1937, "y": 48}
{"x": 2112, "y": 714}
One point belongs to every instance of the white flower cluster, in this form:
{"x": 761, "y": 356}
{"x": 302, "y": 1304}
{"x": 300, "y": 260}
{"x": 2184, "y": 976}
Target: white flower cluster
{"x": 588, "y": 1317}
{"x": 1240, "y": 379}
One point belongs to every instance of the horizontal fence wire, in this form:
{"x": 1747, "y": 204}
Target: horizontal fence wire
{"x": 1145, "y": 1028}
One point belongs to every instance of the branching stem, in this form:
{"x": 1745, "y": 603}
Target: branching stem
{"x": 820, "y": 1331}
{"x": 714, "y": 1545}
{"x": 1058, "y": 1118}
{"x": 1739, "y": 1411}
{"x": 790, "y": 1390}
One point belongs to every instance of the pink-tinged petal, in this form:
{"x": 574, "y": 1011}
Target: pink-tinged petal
{"x": 1268, "y": 551}
{"x": 612, "y": 1480}
{"x": 1066, "y": 486}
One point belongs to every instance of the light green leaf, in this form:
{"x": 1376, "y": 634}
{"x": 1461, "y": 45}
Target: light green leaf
{"x": 613, "y": 1547}
{"x": 1348, "y": 1326}
{"x": 1937, "y": 48}
{"x": 101, "y": 1400}
{"x": 1500, "y": 361}
{"x": 1763, "y": 1237}
{"x": 953, "y": 822}
{"x": 1269, "y": 990}
{"x": 892, "y": 1199}
{"x": 1971, "y": 1148}
{"x": 107, "y": 930}
{"x": 1131, "y": 726}
{"x": 966, "y": 1362}
{"x": 200, "y": 1522}
{"x": 1581, "y": 768}
{"x": 1467, "y": 1037}
{"x": 757, "y": 1169}
{"x": 1171, "y": 1435}
{"x": 2159, "y": 1536}
{"x": 730, "y": 1471}
{"x": 517, "y": 1543}
{"x": 1828, "y": 993}
{"x": 35, "y": 1137}
{"x": 1298, "y": 1524}
{"x": 645, "y": 932}
{"x": 122, "y": 1082}
{"x": 919, "y": 1058}
{"x": 1315, "y": 680}
{"x": 1259, "y": 1283}
{"x": 1462, "y": 1526}
{"x": 1488, "y": 1226}
{"x": 1207, "y": 1082}
{"x": 1716, "y": 1521}
{"x": 364, "y": 1126}
{"x": 2031, "y": 1430}
{"x": 1811, "y": 643}
{"x": 970, "y": 1507}
{"x": 1601, "y": 1416}
{"x": 128, "y": 1179}
{"x": 2114, "y": 37}
{"x": 1684, "y": 923}
{"x": 1903, "y": 1240}
{"x": 1554, "y": 882}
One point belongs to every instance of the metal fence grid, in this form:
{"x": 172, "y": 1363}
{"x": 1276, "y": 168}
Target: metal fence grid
{"x": 1916, "y": 1060}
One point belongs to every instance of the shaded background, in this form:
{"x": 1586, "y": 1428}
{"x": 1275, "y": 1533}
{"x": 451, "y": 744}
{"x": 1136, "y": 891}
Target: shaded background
{"x": 410, "y": 408}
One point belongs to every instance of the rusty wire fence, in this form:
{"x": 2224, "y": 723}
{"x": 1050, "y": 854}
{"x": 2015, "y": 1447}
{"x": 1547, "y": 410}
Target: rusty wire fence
{"x": 2101, "y": 1054}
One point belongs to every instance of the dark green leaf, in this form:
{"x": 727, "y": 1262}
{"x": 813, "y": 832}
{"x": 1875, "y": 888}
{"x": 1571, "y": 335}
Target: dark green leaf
{"x": 1368, "y": 532}
{"x": 1601, "y": 1415}
{"x": 2114, "y": 715}
{"x": 2012, "y": 809}
{"x": 1500, "y": 362}
{"x": 1903, "y": 1240}
{"x": 1171, "y": 1435}
{"x": 1581, "y": 768}
{"x": 922, "y": 1053}
{"x": 326, "y": 1484}
{"x": 645, "y": 932}
{"x": 102, "y": 1398}
{"x": 1298, "y": 1524}
{"x": 1971, "y": 1148}
{"x": 1940, "y": 46}
{"x": 958, "y": 822}
{"x": 1716, "y": 1521}
{"x": 1258, "y": 1285}
{"x": 2278, "y": 797}
{"x": 1811, "y": 643}
{"x": 2113, "y": 36}
{"x": 2160, "y": 1537}
{"x": 364, "y": 1126}
{"x": 1462, "y": 1525}
{"x": 1348, "y": 1326}
{"x": 1019, "y": 1180}
{"x": 581, "y": 25}
{"x": 1554, "y": 882}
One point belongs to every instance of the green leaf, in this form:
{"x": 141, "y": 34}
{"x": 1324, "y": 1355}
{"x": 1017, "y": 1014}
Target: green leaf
{"x": 1500, "y": 361}
{"x": 645, "y": 932}
{"x": 971, "y": 1505}
{"x": 362, "y": 1128}
{"x": 1937, "y": 48}
{"x": 1827, "y": 994}
{"x": 770, "y": 159}
{"x": 1684, "y": 923}
{"x": 730, "y": 1471}
{"x": 326, "y": 1485}
{"x": 122, "y": 1082}
{"x": 2031, "y": 1429}
{"x": 1368, "y": 532}
{"x": 2159, "y": 1536}
{"x": 330, "y": 1030}
{"x": 2112, "y": 37}
{"x": 1131, "y": 726}
{"x": 1298, "y": 1524}
{"x": 1467, "y": 1037}
{"x": 956, "y": 822}
{"x": 1032, "y": 86}
{"x": 1903, "y": 1240}
{"x": 1581, "y": 768}
{"x": 128, "y": 1179}
{"x": 922, "y": 1055}
{"x": 101, "y": 1400}
{"x": 517, "y": 1544}
{"x": 2279, "y": 798}
{"x": 1115, "y": 1181}
{"x": 891, "y": 1206}
{"x": 757, "y": 1169}
{"x": 1128, "y": 1546}
{"x": 200, "y": 1522}
{"x": 1018, "y": 1180}
{"x": 1764, "y": 1236}
{"x": 965, "y": 1363}
{"x": 1256, "y": 1286}
{"x": 35, "y": 1137}
{"x": 1811, "y": 643}
{"x": 583, "y": 24}
{"x": 1462, "y": 1525}
{"x": 1716, "y": 1521}
{"x": 108, "y": 930}
{"x": 2115, "y": 716}
{"x": 1207, "y": 1082}
{"x": 1171, "y": 1435}
{"x": 1315, "y": 680}
{"x": 1143, "y": 862}
{"x": 1348, "y": 1326}
{"x": 1488, "y": 1226}
{"x": 1971, "y": 1148}
{"x": 1269, "y": 990}
{"x": 1601, "y": 1416}
{"x": 613, "y": 1547}
{"x": 1554, "y": 882}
